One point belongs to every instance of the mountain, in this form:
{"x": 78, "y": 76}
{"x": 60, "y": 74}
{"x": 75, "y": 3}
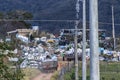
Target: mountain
{"x": 43, "y": 9}
{"x": 62, "y": 10}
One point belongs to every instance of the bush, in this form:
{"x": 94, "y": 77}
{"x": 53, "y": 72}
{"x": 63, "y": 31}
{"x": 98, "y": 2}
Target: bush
{"x": 70, "y": 75}
{"x": 55, "y": 75}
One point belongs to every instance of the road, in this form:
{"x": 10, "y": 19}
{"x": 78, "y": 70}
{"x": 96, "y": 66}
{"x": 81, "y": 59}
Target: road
{"x": 47, "y": 76}
{"x": 43, "y": 76}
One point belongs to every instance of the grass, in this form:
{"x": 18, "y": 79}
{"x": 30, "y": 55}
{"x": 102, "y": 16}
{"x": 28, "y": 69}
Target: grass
{"x": 108, "y": 71}
{"x": 55, "y": 75}
{"x": 30, "y": 73}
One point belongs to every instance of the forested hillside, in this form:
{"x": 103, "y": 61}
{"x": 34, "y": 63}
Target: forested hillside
{"x": 62, "y": 10}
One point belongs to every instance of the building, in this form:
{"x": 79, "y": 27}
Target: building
{"x": 22, "y": 32}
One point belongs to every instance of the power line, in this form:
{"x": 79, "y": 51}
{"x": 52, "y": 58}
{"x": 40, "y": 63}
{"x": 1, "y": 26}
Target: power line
{"x": 39, "y": 20}
{"x": 103, "y": 23}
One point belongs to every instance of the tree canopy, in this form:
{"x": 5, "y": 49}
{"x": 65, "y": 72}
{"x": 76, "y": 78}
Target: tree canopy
{"x": 6, "y": 70}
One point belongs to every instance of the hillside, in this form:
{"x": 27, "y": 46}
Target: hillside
{"x": 61, "y": 10}
{"x": 9, "y": 26}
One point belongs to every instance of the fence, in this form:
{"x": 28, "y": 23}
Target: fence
{"x": 109, "y": 70}
{"x": 65, "y": 69}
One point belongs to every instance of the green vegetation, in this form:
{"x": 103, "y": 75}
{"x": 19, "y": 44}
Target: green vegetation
{"x": 108, "y": 71}
{"x": 55, "y": 75}
{"x": 19, "y": 15}
{"x": 5, "y": 46}
{"x": 1, "y": 15}
{"x": 14, "y": 20}
{"x": 30, "y": 73}
{"x": 9, "y": 70}
{"x": 63, "y": 10}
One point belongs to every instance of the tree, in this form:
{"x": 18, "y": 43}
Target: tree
{"x": 1, "y": 15}
{"x": 7, "y": 73}
{"x": 19, "y": 15}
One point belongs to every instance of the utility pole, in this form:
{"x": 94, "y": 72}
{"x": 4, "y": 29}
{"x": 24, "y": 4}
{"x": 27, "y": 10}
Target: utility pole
{"x": 76, "y": 39}
{"x": 94, "y": 53}
{"x": 113, "y": 29}
{"x": 84, "y": 42}
{"x": 76, "y": 54}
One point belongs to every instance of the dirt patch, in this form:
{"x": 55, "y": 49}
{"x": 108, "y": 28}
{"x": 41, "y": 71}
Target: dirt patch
{"x": 43, "y": 76}
{"x": 47, "y": 76}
